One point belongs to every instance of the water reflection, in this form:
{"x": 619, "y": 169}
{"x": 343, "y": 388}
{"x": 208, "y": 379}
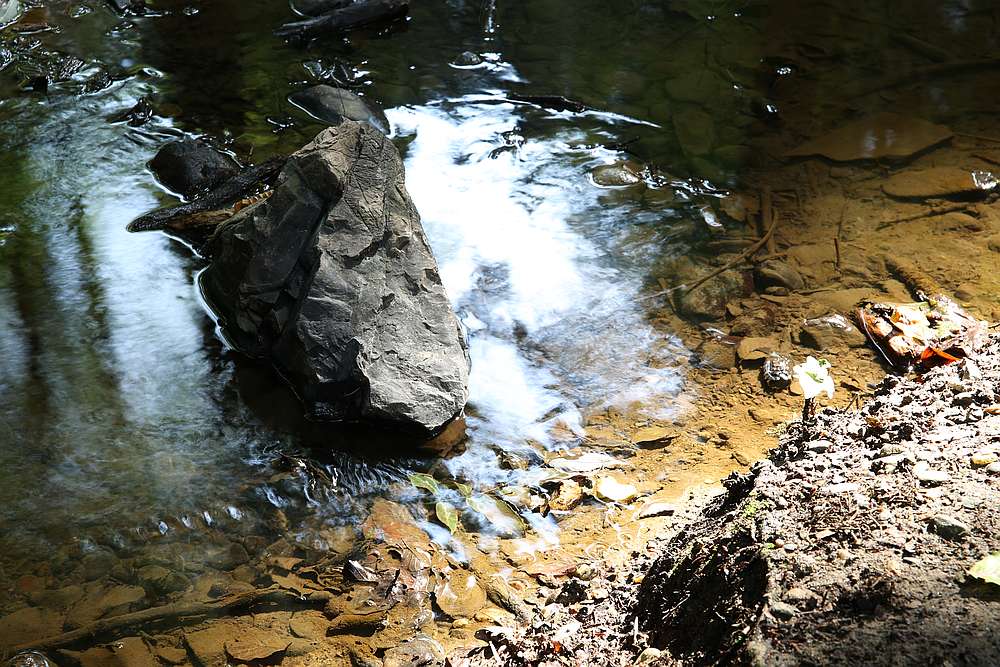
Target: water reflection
{"x": 120, "y": 407}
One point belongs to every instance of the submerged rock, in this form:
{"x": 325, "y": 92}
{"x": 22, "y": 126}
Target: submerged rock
{"x": 938, "y": 182}
{"x": 331, "y": 279}
{"x": 467, "y": 59}
{"x": 617, "y": 174}
{"x": 883, "y": 135}
{"x": 332, "y": 105}
{"x": 190, "y": 166}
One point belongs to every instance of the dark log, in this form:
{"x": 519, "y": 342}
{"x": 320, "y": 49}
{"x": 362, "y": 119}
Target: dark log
{"x": 238, "y": 187}
{"x": 318, "y": 7}
{"x": 347, "y": 18}
{"x": 555, "y": 102}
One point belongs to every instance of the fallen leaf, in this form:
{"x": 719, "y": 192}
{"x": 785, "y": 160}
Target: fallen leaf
{"x": 447, "y": 515}
{"x": 987, "y": 569}
{"x": 426, "y": 482}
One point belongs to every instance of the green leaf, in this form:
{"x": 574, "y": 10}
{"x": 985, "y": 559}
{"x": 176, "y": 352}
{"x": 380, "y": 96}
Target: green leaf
{"x": 447, "y": 515}
{"x": 464, "y": 489}
{"x": 426, "y": 482}
{"x": 987, "y": 569}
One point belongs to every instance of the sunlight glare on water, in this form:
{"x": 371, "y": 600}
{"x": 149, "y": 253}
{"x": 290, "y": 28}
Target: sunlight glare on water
{"x": 520, "y": 238}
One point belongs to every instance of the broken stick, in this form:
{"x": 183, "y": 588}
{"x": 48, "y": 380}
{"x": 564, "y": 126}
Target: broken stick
{"x": 183, "y": 612}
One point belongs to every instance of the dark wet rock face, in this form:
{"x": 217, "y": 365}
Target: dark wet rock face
{"x": 332, "y": 105}
{"x": 190, "y": 166}
{"x": 332, "y": 280}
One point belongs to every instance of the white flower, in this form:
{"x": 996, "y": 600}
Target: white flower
{"x": 814, "y": 377}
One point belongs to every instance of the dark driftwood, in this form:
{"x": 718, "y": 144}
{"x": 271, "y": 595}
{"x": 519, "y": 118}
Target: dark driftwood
{"x": 318, "y": 7}
{"x": 236, "y": 188}
{"x": 347, "y": 18}
{"x": 556, "y": 102}
{"x": 186, "y": 612}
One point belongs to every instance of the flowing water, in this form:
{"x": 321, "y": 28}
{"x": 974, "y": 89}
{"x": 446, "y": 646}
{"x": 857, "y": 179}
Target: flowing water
{"x": 124, "y": 420}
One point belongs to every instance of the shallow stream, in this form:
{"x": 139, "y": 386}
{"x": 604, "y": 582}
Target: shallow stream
{"x": 125, "y": 423}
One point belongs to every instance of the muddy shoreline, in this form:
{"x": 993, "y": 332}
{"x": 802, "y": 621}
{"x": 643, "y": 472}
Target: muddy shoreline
{"x": 850, "y": 544}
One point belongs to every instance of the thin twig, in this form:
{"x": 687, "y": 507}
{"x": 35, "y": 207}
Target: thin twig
{"x": 765, "y": 217}
{"x": 742, "y": 256}
{"x": 188, "y": 611}
{"x": 941, "y": 210}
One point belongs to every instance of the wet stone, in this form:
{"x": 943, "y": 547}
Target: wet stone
{"x": 618, "y": 174}
{"x": 190, "y": 166}
{"x": 308, "y": 624}
{"x": 776, "y": 373}
{"x": 883, "y": 135}
{"x": 171, "y": 655}
{"x": 930, "y": 476}
{"x": 467, "y": 59}
{"x": 938, "y": 182}
{"x": 332, "y": 105}
{"x": 754, "y": 348}
{"x": 28, "y": 624}
{"x": 458, "y": 594}
{"x": 100, "y": 602}
{"x": 775, "y": 273}
{"x": 421, "y": 651}
{"x": 230, "y": 557}
{"x": 830, "y": 333}
{"x": 160, "y": 580}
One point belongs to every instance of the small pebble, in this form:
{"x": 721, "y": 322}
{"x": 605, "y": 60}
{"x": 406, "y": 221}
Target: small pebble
{"x": 648, "y": 655}
{"x": 980, "y": 459}
{"x": 782, "y": 610}
{"x": 928, "y": 475}
{"x": 948, "y": 527}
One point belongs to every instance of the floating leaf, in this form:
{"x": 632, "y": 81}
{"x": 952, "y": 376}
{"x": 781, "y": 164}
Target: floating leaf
{"x": 987, "y": 569}
{"x": 447, "y": 515}
{"x": 426, "y": 482}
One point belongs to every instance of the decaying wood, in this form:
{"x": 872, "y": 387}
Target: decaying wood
{"x": 916, "y": 281}
{"x": 987, "y": 159}
{"x": 356, "y": 15}
{"x": 765, "y": 218}
{"x": 240, "y": 186}
{"x": 743, "y": 256}
{"x": 929, "y": 213}
{"x": 357, "y": 623}
{"x": 555, "y": 102}
{"x": 182, "y": 612}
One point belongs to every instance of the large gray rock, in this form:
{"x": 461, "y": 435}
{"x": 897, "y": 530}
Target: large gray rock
{"x": 332, "y": 280}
